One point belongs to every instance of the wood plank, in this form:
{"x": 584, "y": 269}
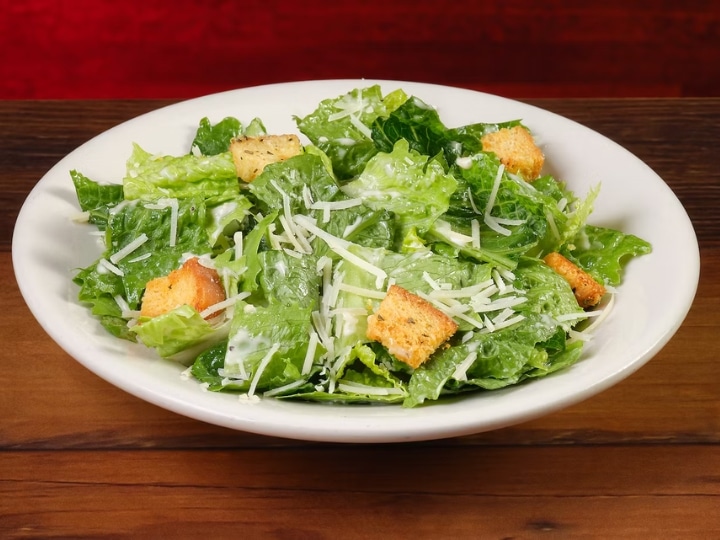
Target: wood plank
{"x": 221, "y": 513}
{"x": 623, "y": 491}
{"x": 614, "y": 470}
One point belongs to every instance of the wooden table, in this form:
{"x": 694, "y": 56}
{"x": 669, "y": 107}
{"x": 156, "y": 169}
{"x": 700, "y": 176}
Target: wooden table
{"x": 78, "y": 457}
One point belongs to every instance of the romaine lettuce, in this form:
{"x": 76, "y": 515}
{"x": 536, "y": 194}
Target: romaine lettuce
{"x": 341, "y": 127}
{"x": 409, "y": 184}
{"x": 385, "y": 194}
{"x": 151, "y": 177}
{"x": 602, "y": 252}
{"x": 180, "y": 334}
{"x": 96, "y": 199}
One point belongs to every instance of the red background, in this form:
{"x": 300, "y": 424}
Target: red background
{"x": 518, "y": 48}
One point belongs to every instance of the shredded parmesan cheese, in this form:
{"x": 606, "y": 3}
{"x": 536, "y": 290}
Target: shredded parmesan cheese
{"x": 475, "y": 227}
{"x": 238, "y": 239}
{"x": 140, "y": 257}
{"x": 340, "y": 246}
{"x": 367, "y": 293}
{"x": 104, "y": 266}
{"x": 310, "y": 354}
{"x": 261, "y": 368}
{"x": 460, "y": 373}
{"x": 284, "y": 388}
{"x": 128, "y": 249}
{"x": 224, "y": 304}
{"x": 357, "y": 388}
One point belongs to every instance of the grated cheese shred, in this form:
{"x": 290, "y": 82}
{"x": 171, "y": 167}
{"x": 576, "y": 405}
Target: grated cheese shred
{"x": 261, "y": 368}
{"x": 128, "y": 249}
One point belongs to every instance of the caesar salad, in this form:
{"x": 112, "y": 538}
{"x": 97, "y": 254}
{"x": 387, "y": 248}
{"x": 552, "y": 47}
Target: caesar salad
{"x": 375, "y": 256}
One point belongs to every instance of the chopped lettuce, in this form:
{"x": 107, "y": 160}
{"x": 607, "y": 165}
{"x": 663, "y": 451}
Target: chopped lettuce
{"x": 341, "y": 127}
{"x": 416, "y": 189}
{"x": 385, "y": 193}
{"x": 104, "y": 282}
{"x": 179, "y": 333}
{"x": 150, "y": 177}
{"x": 602, "y": 252}
{"x": 96, "y": 199}
{"x": 262, "y": 354}
{"x": 420, "y": 125}
{"x": 288, "y": 179}
{"x": 168, "y": 240}
{"x": 212, "y": 139}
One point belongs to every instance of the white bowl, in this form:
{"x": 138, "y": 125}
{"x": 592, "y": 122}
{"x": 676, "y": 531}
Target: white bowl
{"x": 651, "y": 303}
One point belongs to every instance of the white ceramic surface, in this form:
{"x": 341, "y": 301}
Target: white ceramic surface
{"x": 650, "y": 305}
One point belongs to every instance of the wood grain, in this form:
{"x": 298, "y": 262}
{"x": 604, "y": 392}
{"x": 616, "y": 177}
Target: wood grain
{"x": 81, "y": 458}
{"x": 626, "y": 492}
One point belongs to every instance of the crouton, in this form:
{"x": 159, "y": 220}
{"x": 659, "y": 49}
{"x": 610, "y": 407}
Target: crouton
{"x": 588, "y": 292}
{"x": 252, "y": 154}
{"x": 409, "y": 327}
{"x": 192, "y": 284}
{"x": 517, "y": 150}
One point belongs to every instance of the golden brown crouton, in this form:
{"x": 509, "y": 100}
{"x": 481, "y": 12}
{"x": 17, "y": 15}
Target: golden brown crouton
{"x": 409, "y": 327}
{"x": 588, "y": 292}
{"x": 192, "y": 284}
{"x": 251, "y": 154}
{"x": 517, "y": 150}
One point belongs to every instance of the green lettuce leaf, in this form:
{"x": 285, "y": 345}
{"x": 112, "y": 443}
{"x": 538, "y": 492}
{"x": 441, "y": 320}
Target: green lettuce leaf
{"x": 255, "y": 128}
{"x": 418, "y": 123}
{"x": 156, "y": 257}
{"x": 96, "y": 199}
{"x": 101, "y": 288}
{"x": 411, "y": 271}
{"x": 603, "y": 252}
{"x": 532, "y": 347}
{"x": 257, "y": 341}
{"x": 212, "y": 139}
{"x": 532, "y": 218}
{"x": 415, "y": 122}
{"x": 352, "y": 327}
{"x": 362, "y": 380}
{"x": 288, "y": 280}
{"x": 415, "y": 189}
{"x": 207, "y": 367}
{"x": 291, "y": 177}
{"x": 226, "y": 219}
{"x": 150, "y": 177}
{"x": 363, "y": 226}
{"x": 180, "y": 334}
{"x": 340, "y": 127}
{"x": 255, "y": 242}
{"x": 98, "y": 290}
